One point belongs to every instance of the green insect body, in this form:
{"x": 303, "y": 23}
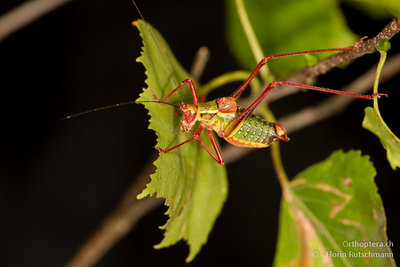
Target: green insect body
{"x": 251, "y": 132}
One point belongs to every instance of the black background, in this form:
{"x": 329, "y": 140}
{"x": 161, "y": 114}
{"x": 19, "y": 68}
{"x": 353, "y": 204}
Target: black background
{"x": 59, "y": 179}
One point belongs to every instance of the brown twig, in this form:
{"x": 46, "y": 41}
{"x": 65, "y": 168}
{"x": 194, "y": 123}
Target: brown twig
{"x": 365, "y": 47}
{"x": 26, "y": 13}
{"x": 119, "y": 222}
{"x": 200, "y": 62}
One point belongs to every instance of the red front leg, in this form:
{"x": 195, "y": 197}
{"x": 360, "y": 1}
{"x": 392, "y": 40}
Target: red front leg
{"x": 196, "y": 136}
{"x": 192, "y": 89}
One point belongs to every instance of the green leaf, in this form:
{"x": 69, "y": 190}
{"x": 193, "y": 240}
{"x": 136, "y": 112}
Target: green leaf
{"x": 333, "y": 207}
{"x": 374, "y": 123}
{"x": 193, "y": 184}
{"x": 284, "y": 26}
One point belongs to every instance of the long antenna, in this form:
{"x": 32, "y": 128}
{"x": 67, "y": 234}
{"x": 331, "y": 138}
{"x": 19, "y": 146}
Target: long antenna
{"x": 97, "y": 109}
{"x": 114, "y": 106}
{"x": 158, "y": 47}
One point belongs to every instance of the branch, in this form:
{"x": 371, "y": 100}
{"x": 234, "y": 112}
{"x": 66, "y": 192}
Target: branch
{"x": 365, "y": 47}
{"x": 200, "y": 62}
{"x": 117, "y": 224}
{"x": 26, "y": 13}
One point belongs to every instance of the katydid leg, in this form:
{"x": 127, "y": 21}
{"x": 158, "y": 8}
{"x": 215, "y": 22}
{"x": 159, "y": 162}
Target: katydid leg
{"x": 196, "y": 136}
{"x": 192, "y": 89}
{"x": 219, "y": 158}
{"x": 236, "y": 94}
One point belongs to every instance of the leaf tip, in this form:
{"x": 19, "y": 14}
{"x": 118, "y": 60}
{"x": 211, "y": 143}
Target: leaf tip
{"x": 142, "y": 195}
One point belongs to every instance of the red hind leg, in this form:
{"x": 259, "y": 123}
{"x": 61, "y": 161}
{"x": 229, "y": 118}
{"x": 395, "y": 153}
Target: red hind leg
{"x": 242, "y": 116}
{"x": 236, "y": 94}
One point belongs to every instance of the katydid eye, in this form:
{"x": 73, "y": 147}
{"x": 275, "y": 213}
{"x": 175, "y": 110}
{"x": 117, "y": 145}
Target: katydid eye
{"x": 190, "y": 116}
{"x": 226, "y": 105}
{"x": 223, "y": 105}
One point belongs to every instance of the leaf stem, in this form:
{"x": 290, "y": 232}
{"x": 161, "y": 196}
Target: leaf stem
{"x": 266, "y": 76}
{"x": 377, "y": 76}
{"x": 234, "y": 76}
{"x": 276, "y": 153}
{"x": 253, "y": 42}
{"x": 382, "y": 59}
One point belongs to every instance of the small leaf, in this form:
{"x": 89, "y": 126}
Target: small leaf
{"x": 288, "y": 26}
{"x": 383, "y": 45}
{"x": 193, "y": 184}
{"x": 374, "y": 123}
{"x": 329, "y": 210}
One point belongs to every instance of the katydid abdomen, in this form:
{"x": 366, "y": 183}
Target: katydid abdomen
{"x": 254, "y": 132}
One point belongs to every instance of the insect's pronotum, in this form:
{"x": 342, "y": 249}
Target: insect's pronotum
{"x": 237, "y": 125}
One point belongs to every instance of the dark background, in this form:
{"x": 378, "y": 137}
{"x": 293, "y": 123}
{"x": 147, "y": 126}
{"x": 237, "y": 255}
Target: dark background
{"x": 59, "y": 179}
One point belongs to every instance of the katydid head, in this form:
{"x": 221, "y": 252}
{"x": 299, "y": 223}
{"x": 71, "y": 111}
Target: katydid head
{"x": 189, "y": 114}
{"x": 281, "y": 133}
{"x": 189, "y": 117}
